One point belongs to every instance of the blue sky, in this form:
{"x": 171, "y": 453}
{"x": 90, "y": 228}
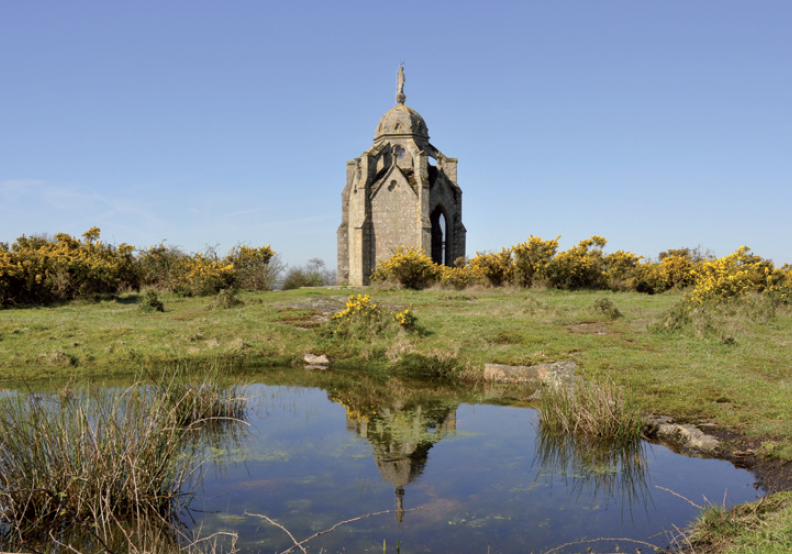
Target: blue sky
{"x": 655, "y": 124}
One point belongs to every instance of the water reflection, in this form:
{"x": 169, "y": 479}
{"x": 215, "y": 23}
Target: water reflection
{"x": 600, "y": 470}
{"x": 401, "y": 436}
{"x": 487, "y": 476}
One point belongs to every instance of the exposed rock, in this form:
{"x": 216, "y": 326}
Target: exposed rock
{"x": 316, "y": 362}
{"x": 549, "y": 374}
{"x": 685, "y": 436}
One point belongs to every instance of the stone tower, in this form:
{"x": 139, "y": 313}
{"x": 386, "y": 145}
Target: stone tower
{"x": 400, "y": 192}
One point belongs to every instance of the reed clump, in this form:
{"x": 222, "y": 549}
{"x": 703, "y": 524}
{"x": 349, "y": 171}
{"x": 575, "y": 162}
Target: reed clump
{"x": 600, "y": 410}
{"x": 202, "y": 398}
{"x": 96, "y": 458}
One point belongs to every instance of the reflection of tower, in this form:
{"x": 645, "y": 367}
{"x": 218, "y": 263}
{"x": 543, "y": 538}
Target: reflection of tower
{"x": 401, "y": 439}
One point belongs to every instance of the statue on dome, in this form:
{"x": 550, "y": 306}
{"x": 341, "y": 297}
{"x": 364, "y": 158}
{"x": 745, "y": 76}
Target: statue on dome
{"x": 400, "y": 96}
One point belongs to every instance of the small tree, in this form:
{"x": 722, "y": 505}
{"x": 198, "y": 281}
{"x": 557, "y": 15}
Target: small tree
{"x": 312, "y": 274}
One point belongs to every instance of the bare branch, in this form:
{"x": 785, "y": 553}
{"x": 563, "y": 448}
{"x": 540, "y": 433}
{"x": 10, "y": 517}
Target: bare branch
{"x": 299, "y": 544}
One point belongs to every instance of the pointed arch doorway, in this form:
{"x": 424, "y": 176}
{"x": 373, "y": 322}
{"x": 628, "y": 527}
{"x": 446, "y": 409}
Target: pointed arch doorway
{"x": 441, "y": 243}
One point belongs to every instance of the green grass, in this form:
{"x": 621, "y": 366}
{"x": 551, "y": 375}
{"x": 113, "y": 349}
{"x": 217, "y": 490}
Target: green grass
{"x": 729, "y": 365}
{"x": 694, "y": 374}
{"x": 762, "y": 527}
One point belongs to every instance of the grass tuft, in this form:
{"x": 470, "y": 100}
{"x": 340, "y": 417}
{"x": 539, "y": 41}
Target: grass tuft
{"x": 151, "y": 302}
{"x": 95, "y": 460}
{"x": 607, "y": 308}
{"x": 594, "y": 409}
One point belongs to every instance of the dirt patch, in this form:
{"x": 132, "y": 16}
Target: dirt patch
{"x": 310, "y": 312}
{"x": 330, "y": 304}
{"x": 596, "y": 328}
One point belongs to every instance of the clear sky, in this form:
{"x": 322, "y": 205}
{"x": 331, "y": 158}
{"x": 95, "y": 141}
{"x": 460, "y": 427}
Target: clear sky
{"x": 654, "y": 124}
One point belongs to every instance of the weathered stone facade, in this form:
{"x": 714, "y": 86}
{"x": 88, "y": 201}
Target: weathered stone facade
{"x": 400, "y": 192}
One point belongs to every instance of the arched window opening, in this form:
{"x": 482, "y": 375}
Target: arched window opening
{"x": 439, "y": 237}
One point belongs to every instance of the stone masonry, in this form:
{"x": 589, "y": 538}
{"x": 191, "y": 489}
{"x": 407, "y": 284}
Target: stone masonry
{"x": 400, "y": 192}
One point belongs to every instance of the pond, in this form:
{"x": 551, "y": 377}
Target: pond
{"x": 456, "y": 471}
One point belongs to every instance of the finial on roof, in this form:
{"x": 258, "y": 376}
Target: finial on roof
{"x": 400, "y": 96}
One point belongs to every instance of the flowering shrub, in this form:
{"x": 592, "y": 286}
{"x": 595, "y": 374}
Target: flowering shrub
{"x": 410, "y": 267}
{"x": 580, "y": 267}
{"x": 731, "y": 277}
{"x": 779, "y": 285}
{"x": 40, "y": 270}
{"x": 363, "y": 318}
{"x": 405, "y": 319}
{"x": 157, "y": 264}
{"x": 168, "y": 268}
{"x": 495, "y": 269}
{"x": 532, "y": 258}
{"x": 252, "y": 266}
{"x": 200, "y": 276}
{"x": 619, "y": 268}
{"x": 459, "y": 277}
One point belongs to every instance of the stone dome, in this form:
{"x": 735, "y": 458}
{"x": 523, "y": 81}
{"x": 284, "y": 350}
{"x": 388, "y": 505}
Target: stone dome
{"x": 402, "y": 120}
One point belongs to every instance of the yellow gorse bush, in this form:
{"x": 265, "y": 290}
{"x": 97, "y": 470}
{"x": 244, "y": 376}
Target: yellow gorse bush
{"x": 362, "y": 318}
{"x": 580, "y": 267}
{"x": 733, "y": 277}
{"x": 40, "y": 270}
{"x": 459, "y": 277}
{"x": 168, "y": 268}
{"x": 199, "y": 275}
{"x": 252, "y": 266}
{"x": 532, "y": 259}
{"x": 406, "y": 319}
{"x": 495, "y": 269}
{"x": 409, "y": 266}
{"x": 620, "y": 266}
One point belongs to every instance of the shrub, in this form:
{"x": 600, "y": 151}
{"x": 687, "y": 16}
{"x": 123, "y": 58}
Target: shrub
{"x": 458, "y": 278}
{"x": 406, "y": 319}
{"x": 409, "y": 267}
{"x": 532, "y": 259}
{"x": 225, "y": 299}
{"x": 313, "y": 274}
{"x": 495, "y": 269}
{"x": 158, "y": 265}
{"x": 607, "y": 308}
{"x": 201, "y": 275}
{"x": 42, "y": 269}
{"x": 580, "y": 267}
{"x": 151, "y": 302}
{"x": 779, "y": 285}
{"x": 619, "y": 267}
{"x": 731, "y": 277}
{"x": 253, "y": 266}
{"x": 363, "y": 319}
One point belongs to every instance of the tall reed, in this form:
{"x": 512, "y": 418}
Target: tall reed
{"x": 97, "y": 458}
{"x": 198, "y": 396}
{"x": 595, "y": 409}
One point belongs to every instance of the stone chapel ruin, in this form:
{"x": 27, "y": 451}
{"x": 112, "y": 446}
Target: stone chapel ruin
{"x": 400, "y": 192}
